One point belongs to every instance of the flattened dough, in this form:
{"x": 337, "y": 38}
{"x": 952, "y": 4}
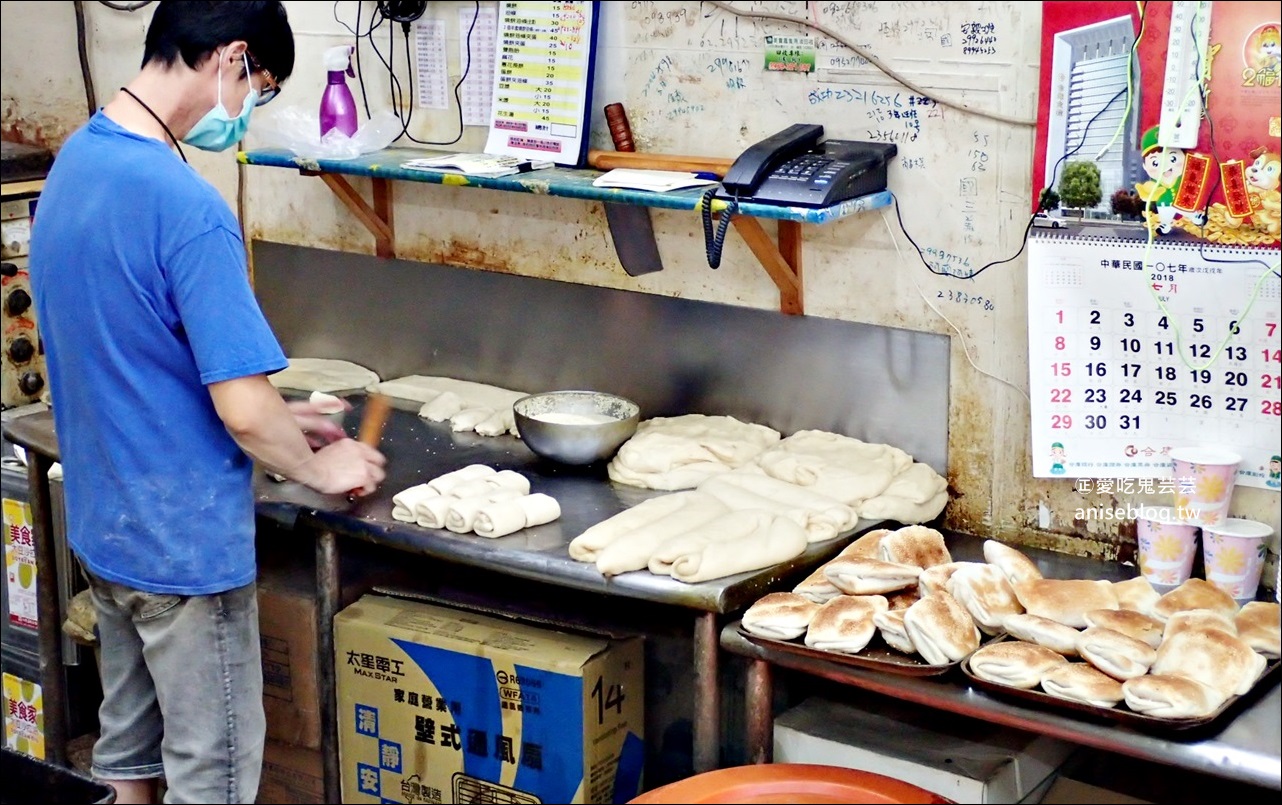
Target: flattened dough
{"x": 322, "y": 374}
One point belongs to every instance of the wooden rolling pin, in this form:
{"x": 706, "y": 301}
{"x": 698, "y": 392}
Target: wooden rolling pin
{"x": 639, "y": 160}
{"x": 373, "y": 419}
{"x": 377, "y": 407}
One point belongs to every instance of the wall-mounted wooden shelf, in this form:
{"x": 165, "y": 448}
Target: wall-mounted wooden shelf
{"x": 781, "y": 260}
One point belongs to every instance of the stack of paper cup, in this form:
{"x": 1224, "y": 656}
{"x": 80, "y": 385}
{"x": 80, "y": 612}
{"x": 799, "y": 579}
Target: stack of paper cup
{"x": 1167, "y": 546}
{"x": 1233, "y": 552}
{"x": 1204, "y": 480}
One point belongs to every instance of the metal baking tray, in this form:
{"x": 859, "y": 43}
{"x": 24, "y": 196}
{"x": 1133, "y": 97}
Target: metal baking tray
{"x": 877, "y": 655}
{"x": 1123, "y": 714}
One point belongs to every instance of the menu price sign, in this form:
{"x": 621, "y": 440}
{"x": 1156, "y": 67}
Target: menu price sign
{"x": 1117, "y": 382}
{"x": 543, "y": 81}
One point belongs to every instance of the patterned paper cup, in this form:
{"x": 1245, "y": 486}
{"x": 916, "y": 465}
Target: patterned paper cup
{"x": 1204, "y": 479}
{"x": 1167, "y": 546}
{"x": 1233, "y": 553}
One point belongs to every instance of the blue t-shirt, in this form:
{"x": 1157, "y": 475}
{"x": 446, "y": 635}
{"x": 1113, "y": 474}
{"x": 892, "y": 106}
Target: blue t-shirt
{"x": 142, "y": 297}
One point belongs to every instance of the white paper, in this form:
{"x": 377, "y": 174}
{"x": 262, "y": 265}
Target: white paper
{"x": 541, "y": 86}
{"x": 659, "y": 181}
{"x": 431, "y": 65}
{"x": 477, "y": 92}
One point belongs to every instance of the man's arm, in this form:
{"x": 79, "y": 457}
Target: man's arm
{"x": 264, "y": 426}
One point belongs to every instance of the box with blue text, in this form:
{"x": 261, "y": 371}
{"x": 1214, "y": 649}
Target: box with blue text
{"x": 438, "y": 705}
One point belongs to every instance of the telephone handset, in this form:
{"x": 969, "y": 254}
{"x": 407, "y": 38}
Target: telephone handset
{"x": 753, "y": 165}
{"x": 794, "y": 168}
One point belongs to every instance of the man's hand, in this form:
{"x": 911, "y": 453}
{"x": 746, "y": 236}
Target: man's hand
{"x": 319, "y": 429}
{"x": 343, "y": 466}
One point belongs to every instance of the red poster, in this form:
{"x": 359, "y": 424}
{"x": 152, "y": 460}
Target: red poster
{"x": 1222, "y": 189}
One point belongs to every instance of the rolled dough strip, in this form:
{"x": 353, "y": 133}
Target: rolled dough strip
{"x": 327, "y": 403}
{"x": 445, "y": 405}
{"x": 445, "y": 483}
{"x": 588, "y": 545}
{"x": 469, "y": 418}
{"x": 495, "y": 424}
{"x": 736, "y": 543}
{"x": 841, "y": 515}
{"x": 510, "y": 479}
{"x": 431, "y": 513}
{"x": 819, "y": 526}
{"x": 403, "y": 502}
{"x": 686, "y": 476}
{"x": 903, "y": 510}
{"x": 634, "y": 550}
{"x": 461, "y": 517}
{"x": 509, "y": 516}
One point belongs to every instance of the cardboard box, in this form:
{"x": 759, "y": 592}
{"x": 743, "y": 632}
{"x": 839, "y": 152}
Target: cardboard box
{"x": 291, "y": 774}
{"x": 1067, "y": 791}
{"x": 442, "y": 705}
{"x": 964, "y": 760}
{"x": 287, "y": 632}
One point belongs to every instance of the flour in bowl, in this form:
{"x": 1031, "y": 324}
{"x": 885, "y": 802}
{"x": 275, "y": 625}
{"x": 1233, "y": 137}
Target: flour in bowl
{"x": 559, "y": 418}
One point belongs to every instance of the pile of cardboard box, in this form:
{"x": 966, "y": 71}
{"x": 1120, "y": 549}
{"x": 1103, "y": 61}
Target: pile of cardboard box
{"x": 287, "y": 629}
{"x": 438, "y": 704}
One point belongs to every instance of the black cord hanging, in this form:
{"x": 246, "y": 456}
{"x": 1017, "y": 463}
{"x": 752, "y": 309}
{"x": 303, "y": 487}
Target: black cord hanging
{"x": 714, "y": 242}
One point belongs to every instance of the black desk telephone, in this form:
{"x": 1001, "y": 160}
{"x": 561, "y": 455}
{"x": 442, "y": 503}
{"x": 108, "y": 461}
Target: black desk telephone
{"x": 794, "y": 169}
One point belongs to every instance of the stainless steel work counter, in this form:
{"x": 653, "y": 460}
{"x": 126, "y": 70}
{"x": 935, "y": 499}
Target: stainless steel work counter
{"x": 1247, "y": 748}
{"x": 418, "y": 450}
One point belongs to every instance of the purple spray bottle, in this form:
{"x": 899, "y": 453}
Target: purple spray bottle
{"x": 337, "y": 106}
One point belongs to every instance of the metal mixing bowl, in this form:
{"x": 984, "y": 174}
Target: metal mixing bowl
{"x": 575, "y": 442}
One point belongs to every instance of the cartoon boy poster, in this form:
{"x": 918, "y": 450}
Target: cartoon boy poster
{"x": 1274, "y": 481}
{"x": 1058, "y": 457}
{"x": 1230, "y": 175}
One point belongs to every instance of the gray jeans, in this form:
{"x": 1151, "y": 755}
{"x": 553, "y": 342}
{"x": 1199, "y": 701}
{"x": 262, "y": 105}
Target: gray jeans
{"x": 182, "y": 684}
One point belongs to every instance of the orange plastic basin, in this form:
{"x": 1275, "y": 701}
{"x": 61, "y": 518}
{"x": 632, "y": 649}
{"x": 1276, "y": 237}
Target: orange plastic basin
{"x": 789, "y": 782}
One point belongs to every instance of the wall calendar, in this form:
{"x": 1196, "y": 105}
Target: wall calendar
{"x": 1135, "y": 350}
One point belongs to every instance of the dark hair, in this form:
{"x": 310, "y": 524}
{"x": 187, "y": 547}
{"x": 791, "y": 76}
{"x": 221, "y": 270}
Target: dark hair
{"x": 194, "y": 29}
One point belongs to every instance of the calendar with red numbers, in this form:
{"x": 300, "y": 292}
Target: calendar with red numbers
{"x": 1135, "y": 350}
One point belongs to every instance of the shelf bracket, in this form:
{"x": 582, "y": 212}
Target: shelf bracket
{"x": 782, "y": 262}
{"x": 377, "y": 219}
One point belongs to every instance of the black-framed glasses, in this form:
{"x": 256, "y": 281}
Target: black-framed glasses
{"x": 270, "y": 87}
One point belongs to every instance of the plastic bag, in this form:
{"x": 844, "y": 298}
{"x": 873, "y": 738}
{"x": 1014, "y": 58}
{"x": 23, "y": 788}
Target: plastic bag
{"x": 298, "y": 130}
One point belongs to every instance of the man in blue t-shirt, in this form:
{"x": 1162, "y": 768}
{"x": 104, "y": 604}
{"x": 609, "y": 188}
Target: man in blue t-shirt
{"x": 158, "y": 359}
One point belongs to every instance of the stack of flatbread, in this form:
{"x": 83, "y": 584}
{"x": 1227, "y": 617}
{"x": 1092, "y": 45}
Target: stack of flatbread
{"x": 872, "y": 481}
{"x": 879, "y": 481}
{"x": 681, "y": 452}
{"x": 873, "y": 588}
{"x": 477, "y": 498}
{"x": 1179, "y": 655}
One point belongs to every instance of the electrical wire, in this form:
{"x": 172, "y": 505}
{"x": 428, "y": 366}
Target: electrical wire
{"x": 1128, "y": 90}
{"x": 1027, "y": 228}
{"x": 82, "y": 49}
{"x": 1130, "y": 85}
{"x": 873, "y": 60}
{"x": 405, "y": 111}
{"x": 940, "y": 313}
{"x": 360, "y": 75}
{"x": 126, "y": 6}
{"x": 1202, "y": 73}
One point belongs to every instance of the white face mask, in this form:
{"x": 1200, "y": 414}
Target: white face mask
{"x": 217, "y": 130}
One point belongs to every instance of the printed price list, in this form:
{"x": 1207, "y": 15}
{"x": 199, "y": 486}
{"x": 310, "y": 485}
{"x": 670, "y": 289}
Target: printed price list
{"x": 541, "y": 80}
